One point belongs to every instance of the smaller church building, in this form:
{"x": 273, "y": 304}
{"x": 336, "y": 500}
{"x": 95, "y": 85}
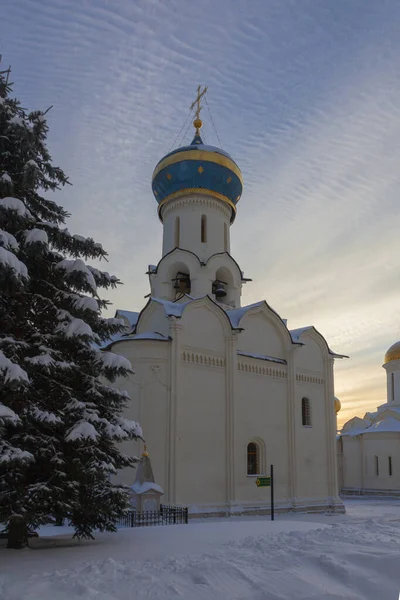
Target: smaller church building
{"x": 368, "y": 448}
{"x": 221, "y": 390}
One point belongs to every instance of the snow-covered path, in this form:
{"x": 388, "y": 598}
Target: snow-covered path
{"x": 353, "y": 556}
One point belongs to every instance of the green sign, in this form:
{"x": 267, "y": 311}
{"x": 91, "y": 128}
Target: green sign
{"x": 263, "y": 482}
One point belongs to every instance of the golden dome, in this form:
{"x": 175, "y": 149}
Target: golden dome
{"x": 392, "y": 354}
{"x": 338, "y": 404}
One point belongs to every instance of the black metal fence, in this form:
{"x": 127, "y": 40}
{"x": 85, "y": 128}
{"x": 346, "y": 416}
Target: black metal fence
{"x": 167, "y": 515}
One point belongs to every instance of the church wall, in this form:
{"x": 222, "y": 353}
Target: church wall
{"x": 153, "y": 319}
{"x": 311, "y": 444}
{"x": 148, "y": 390}
{"x": 309, "y": 356}
{"x": 261, "y": 415}
{"x": 382, "y": 446}
{"x": 352, "y": 462}
{"x": 201, "y": 430}
{"x": 261, "y": 336}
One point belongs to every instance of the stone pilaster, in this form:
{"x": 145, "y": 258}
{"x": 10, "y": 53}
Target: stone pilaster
{"x": 291, "y": 425}
{"x": 175, "y": 329}
{"x": 230, "y": 386}
{"x": 330, "y": 433}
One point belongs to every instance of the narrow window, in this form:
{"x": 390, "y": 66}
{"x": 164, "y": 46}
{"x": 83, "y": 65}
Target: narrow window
{"x": 225, "y": 237}
{"x": 177, "y": 232}
{"x": 253, "y": 459}
{"x": 392, "y": 387}
{"x": 306, "y": 412}
{"x": 390, "y": 466}
{"x": 376, "y": 466}
{"x": 203, "y": 229}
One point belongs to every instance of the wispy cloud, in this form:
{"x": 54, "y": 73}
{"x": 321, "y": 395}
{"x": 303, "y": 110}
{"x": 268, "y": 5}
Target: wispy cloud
{"x": 305, "y": 97}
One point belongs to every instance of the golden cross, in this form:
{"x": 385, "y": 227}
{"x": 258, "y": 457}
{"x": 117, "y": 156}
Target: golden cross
{"x": 197, "y": 101}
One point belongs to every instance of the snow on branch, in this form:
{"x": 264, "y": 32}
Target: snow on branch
{"x": 130, "y": 427}
{"x": 78, "y": 266}
{"x": 8, "y": 241}
{"x": 104, "y": 279}
{"x": 109, "y": 360}
{"x": 16, "y": 205}
{"x": 7, "y": 413}
{"x": 86, "y": 303}
{"x": 12, "y": 372}
{"x": 36, "y": 236}
{"x": 9, "y": 454}
{"x": 76, "y": 328}
{"x": 82, "y": 431}
{"x": 8, "y": 259}
{"x": 45, "y": 417}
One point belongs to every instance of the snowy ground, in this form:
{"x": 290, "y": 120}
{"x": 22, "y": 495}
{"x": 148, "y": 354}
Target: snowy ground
{"x": 352, "y": 556}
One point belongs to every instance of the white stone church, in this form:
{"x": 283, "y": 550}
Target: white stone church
{"x": 221, "y": 390}
{"x": 369, "y": 447}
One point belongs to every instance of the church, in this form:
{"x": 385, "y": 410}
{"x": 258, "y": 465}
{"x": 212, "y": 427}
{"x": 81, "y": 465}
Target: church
{"x": 368, "y": 447}
{"x": 222, "y": 391}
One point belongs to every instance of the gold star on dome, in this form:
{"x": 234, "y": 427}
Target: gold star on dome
{"x": 169, "y": 176}
{"x": 229, "y": 180}
{"x": 200, "y": 169}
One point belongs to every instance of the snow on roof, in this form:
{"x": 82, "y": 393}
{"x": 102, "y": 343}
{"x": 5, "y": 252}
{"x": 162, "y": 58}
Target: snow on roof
{"x": 390, "y": 424}
{"x": 146, "y": 335}
{"x": 147, "y": 486}
{"x": 296, "y": 333}
{"x": 263, "y": 357}
{"x": 174, "y": 309}
{"x": 236, "y": 314}
{"x": 130, "y": 316}
{"x": 149, "y": 335}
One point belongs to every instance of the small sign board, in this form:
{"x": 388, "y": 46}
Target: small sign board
{"x": 263, "y": 482}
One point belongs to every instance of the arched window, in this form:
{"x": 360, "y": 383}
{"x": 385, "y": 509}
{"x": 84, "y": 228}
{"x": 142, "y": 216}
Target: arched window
{"x": 306, "y": 412}
{"x": 203, "y": 228}
{"x": 177, "y": 232}
{"x": 226, "y": 237}
{"x": 253, "y": 459}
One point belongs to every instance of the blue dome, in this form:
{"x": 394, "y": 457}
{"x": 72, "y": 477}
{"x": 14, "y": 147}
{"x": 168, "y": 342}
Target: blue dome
{"x": 197, "y": 169}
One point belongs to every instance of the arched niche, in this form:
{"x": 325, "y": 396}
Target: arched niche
{"x": 205, "y": 325}
{"x": 174, "y": 274}
{"x": 222, "y": 268}
{"x": 264, "y": 333}
{"x": 224, "y": 282}
{"x": 178, "y": 277}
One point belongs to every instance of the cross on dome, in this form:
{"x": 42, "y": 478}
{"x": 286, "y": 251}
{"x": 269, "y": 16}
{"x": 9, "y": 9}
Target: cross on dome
{"x": 197, "y": 123}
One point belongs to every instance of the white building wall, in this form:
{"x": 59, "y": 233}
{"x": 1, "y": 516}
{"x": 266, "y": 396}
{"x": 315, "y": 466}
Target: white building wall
{"x": 148, "y": 405}
{"x": 382, "y": 446}
{"x": 190, "y": 209}
{"x": 261, "y": 416}
{"x": 311, "y": 446}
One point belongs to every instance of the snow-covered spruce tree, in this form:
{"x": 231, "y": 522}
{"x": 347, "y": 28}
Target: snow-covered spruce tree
{"x": 60, "y": 423}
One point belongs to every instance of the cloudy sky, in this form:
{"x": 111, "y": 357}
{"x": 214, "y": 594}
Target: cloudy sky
{"x": 305, "y": 96}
